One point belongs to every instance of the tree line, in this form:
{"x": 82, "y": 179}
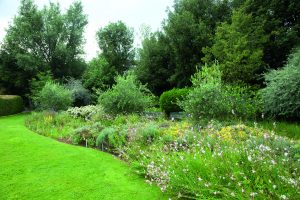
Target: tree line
{"x": 246, "y": 37}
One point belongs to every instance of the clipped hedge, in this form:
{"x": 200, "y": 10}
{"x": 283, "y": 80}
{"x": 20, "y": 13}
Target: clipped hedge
{"x": 168, "y": 100}
{"x": 10, "y": 104}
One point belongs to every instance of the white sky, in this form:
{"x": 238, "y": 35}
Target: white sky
{"x": 100, "y": 12}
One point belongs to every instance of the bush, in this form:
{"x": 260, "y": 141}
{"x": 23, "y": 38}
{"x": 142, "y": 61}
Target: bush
{"x": 168, "y": 100}
{"x": 110, "y": 139}
{"x": 149, "y": 133}
{"x": 126, "y": 96}
{"x": 10, "y": 104}
{"x": 86, "y": 135}
{"x": 54, "y": 97}
{"x": 80, "y": 95}
{"x": 38, "y": 82}
{"x": 210, "y": 99}
{"x": 281, "y": 97}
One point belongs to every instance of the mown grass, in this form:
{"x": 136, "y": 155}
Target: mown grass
{"x": 36, "y": 167}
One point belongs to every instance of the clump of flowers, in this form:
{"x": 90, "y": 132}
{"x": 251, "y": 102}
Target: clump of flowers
{"x": 231, "y": 162}
{"x": 177, "y": 129}
{"x": 239, "y": 133}
{"x": 84, "y": 112}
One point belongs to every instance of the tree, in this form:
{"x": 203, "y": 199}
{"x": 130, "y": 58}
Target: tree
{"x": 42, "y": 40}
{"x": 153, "y": 67}
{"x": 281, "y": 22}
{"x": 99, "y": 74}
{"x": 190, "y": 28}
{"x": 116, "y": 42}
{"x": 238, "y": 46}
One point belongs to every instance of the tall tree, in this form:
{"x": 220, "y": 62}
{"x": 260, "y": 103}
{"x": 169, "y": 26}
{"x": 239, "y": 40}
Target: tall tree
{"x": 238, "y": 47}
{"x": 153, "y": 66}
{"x": 281, "y": 22}
{"x": 116, "y": 42}
{"x": 42, "y": 40}
{"x": 190, "y": 27}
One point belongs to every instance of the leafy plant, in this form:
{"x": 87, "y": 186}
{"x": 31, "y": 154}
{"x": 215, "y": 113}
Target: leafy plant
{"x": 110, "y": 139}
{"x": 281, "y": 97}
{"x": 149, "y": 133}
{"x": 211, "y": 99}
{"x": 80, "y": 95}
{"x": 53, "y": 96}
{"x": 126, "y": 96}
{"x": 169, "y": 99}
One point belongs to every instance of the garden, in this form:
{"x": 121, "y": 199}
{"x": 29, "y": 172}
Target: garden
{"x": 214, "y": 119}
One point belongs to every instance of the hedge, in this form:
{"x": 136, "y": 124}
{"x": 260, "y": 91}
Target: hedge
{"x": 168, "y": 100}
{"x": 10, "y": 104}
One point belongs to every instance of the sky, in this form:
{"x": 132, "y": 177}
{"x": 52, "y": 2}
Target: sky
{"x": 133, "y": 13}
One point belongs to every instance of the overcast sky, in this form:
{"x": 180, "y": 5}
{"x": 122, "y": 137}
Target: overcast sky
{"x": 100, "y": 12}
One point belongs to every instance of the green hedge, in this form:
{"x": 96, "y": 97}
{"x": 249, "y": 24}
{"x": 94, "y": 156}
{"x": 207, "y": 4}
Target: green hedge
{"x": 168, "y": 100}
{"x": 10, "y": 104}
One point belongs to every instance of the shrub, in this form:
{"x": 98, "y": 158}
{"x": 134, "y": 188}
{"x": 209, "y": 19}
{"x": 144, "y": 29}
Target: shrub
{"x": 10, "y": 104}
{"x": 80, "y": 95}
{"x": 126, "y": 96}
{"x": 281, "y": 97}
{"x": 110, "y": 139}
{"x": 149, "y": 133}
{"x": 168, "y": 100}
{"x": 210, "y": 99}
{"x": 86, "y": 135}
{"x": 99, "y": 74}
{"x": 38, "y": 82}
{"x": 53, "y": 96}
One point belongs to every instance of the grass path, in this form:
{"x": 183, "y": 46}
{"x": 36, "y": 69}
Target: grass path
{"x": 36, "y": 167}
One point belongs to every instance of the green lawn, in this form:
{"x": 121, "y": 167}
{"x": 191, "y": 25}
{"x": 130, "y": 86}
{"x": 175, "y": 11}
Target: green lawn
{"x": 36, "y": 167}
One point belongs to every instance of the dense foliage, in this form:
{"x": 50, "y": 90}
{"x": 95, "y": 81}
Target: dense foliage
{"x": 238, "y": 47}
{"x": 153, "y": 67}
{"x": 126, "y": 96}
{"x": 81, "y": 96}
{"x": 53, "y": 96}
{"x": 10, "y": 104}
{"x": 209, "y": 98}
{"x": 169, "y": 100}
{"x": 281, "y": 96}
{"x": 116, "y": 42}
{"x": 40, "y": 40}
{"x": 99, "y": 74}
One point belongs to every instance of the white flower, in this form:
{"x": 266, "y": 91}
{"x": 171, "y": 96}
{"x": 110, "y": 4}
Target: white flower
{"x": 253, "y": 194}
{"x": 200, "y": 179}
{"x": 283, "y": 196}
{"x": 274, "y": 186}
{"x": 249, "y": 158}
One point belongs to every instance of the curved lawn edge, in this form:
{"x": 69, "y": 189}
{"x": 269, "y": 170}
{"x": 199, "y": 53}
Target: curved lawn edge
{"x": 36, "y": 167}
